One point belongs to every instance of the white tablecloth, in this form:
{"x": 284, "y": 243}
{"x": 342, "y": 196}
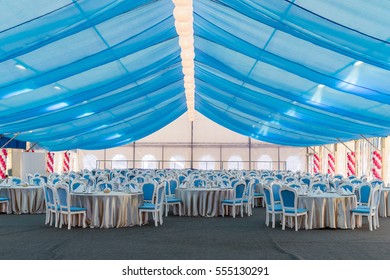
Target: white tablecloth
{"x": 329, "y": 210}
{"x": 204, "y": 202}
{"x": 23, "y": 200}
{"x": 114, "y": 209}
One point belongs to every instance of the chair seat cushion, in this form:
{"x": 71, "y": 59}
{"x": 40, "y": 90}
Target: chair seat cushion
{"x": 299, "y": 210}
{"x": 277, "y": 207}
{"x": 4, "y": 199}
{"x": 361, "y": 210}
{"x": 232, "y": 201}
{"x": 258, "y": 194}
{"x": 173, "y": 200}
{"x": 147, "y": 206}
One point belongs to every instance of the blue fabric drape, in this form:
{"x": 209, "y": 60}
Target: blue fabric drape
{"x": 98, "y": 74}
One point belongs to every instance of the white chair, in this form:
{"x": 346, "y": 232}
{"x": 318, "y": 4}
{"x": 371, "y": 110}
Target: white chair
{"x": 271, "y": 207}
{"x": 65, "y": 207}
{"x": 52, "y": 207}
{"x": 155, "y": 208}
{"x": 289, "y": 199}
{"x": 170, "y": 198}
{"x": 370, "y": 211}
{"x": 239, "y": 199}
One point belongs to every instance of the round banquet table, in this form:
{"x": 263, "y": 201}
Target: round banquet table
{"x": 328, "y": 210}
{"x": 23, "y": 200}
{"x": 205, "y": 202}
{"x": 107, "y": 210}
{"x": 384, "y": 203}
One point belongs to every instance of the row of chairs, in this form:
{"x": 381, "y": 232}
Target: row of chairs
{"x": 58, "y": 204}
{"x": 283, "y": 200}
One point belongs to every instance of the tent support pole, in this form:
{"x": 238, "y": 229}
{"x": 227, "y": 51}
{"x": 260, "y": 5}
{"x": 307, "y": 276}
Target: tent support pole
{"x": 327, "y": 149}
{"x": 32, "y": 146}
{"x": 134, "y": 154}
{"x": 344, "y": 145}
{"x": 250, "y": 152}
{"x": 192, "y": 145}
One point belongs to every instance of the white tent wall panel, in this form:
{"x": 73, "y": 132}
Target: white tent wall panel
{"x": 174, "y": 157}
{"x": 295, "y": 158}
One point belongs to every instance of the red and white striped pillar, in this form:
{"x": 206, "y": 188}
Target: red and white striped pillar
{"x": 316, "y": 163}
{"x": 66, "y": 162}
{"x": 3, "y": 163}
{"x": 50, "y": 162}
{"x": 377, "y": 165}
{"x": 351, "y": 164}
{"x": 331, "y": 164}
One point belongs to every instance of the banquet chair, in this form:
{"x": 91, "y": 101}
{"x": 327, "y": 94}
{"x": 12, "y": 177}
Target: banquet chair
{"x": 306, "y": 180}
{"x": 52, "y": 207}
{"x": 289, "y": 179}
{"x": 377, "y": 182}
{"x": 256, "y": 195}
{"x": 149, "y": 191}
{"x": 370, "y": 210}
{"x": 271, "y": 207}
{"x": 199, "y": 183}
{"x": 65, "y": 207}
{"x": 16, "y": 181}
{"x": 295, "y": 186}
{"x": 36, "y": 181}
{"x": 348, "y": 187}
{"x": 104, "y": 185}
{"x": 239, "y": 199}
{"x": 289, "y": 198}
{"x": 275, "y": 190}
{"x": 338, "y": 176}
{"x": 81, "y": 183}
{"x": 156, "y": 208}
{"x": 5, "y": 200}
{"x": 279, "y": 176}
{"x": 364, "y": 194}
{"x": 170, "y": 198}
{"x": 320, "y": 185}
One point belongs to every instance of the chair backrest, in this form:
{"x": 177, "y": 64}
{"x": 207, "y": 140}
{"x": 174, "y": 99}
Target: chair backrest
{"x": 199, "y": 183}
{"x": 63, "y": 197}
{"x": 338, "y": 176}
{"x": 159, "y": 195}
{"x": 289, "y": 198}
{"x": 295, "y": 186}
{"x": 240, "y": 190}
{"x": 322, "y": 186}
{"x": 104, "y": 185}
{"x": 36, "y": 181}
{"x": 375, "y": 198}
{"x": 348, "y": 187}
{"x": 77, "y": 184}
{"x": 275, "y": 190}
{"x": 364, "y": 194}
{"x": 225, "y": 183}
{"x": 377, "y": 182}
{"x": 269, "y": 197}
{"x": 356, "y": 181}
{"x": 279, "y": 176}
{"x": 148, "y": 190}
{"x": 173, "y": 184}
{"x": 50, "y": 198}
{"x": 16, "y": 181}
{"x": 289, "y": 179}
{"x": 306, "y": 180}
